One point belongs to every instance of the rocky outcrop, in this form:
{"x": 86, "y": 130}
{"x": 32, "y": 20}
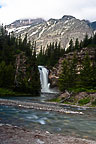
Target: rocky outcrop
{"x": 57, "y": 69}
{"x": 80, "y": 98}
{"x": 20, "y": 68}
{"x": 53, "y": 81}
{"x": 55, "y": 30}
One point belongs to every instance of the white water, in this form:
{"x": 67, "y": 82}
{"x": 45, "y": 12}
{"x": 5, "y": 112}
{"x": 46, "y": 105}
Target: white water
{"x": 44, "y": 79}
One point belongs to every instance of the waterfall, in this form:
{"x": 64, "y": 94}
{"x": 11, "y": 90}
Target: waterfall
{"x": 44, "y": 79}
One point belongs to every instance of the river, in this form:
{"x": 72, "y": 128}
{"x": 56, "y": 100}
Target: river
{"x": 74, "y": 121}
{"x": 72, "y": 124}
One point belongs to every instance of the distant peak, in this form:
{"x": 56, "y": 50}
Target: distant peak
{"x": 52, "y": 19}
{"x": 26, "y": 21}
{"x": 67, "y": 17}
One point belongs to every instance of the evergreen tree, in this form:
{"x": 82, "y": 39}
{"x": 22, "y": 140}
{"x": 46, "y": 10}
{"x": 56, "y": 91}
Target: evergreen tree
{"x": 68, "y": 77}
{"x": 85, "y": 41}
{"x": 64, "y": 78}
{"x": 6, "y": 75}
{"x": 71, "y": 46}
{"x": 94, "y": 39}
{"x": 86, "y": 73}
{"x": 76, "y": 44}
{"x": 73, "y": 71}
{"x": 81, "y": 45}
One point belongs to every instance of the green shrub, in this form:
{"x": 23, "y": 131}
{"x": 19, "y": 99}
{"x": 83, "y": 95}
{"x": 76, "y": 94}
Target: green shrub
{"x": 76, "y": 90}
{"x": 84, "y": 101}
{"x": 4, "y": 91}
{"x": 55, "y": 100}
{"x": 94, "y": 102}
{"x": 18, "y": 51}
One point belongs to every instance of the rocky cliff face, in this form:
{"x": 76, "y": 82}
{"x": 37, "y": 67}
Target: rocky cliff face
{"x": 57, "y": 69}
{"x": 20, "y": 68}
{"x": 53, "y": 30}
{"x": 22, "y": 25}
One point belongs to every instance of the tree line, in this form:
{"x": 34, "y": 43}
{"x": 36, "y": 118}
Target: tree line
{"x": 86, "y": 42}
{"x": 50, "y": 56}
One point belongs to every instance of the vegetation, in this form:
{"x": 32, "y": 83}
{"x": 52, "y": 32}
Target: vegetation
{"x": 94, "y": 103}
{"x": 84, "y": 101}
{"x": 51, "y": 55}
{"x": 6, "y": 92}
{"x": 82, "y": 78}
{"x": 87, "y": 42}
{"x": 14, "y": 75}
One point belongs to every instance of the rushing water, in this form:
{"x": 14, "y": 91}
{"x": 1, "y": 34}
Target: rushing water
{"x": 83, "y": 126}
{"x": 44, "y": 79}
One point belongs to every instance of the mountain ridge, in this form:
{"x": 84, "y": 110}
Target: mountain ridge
{"x": 54, "y": 30}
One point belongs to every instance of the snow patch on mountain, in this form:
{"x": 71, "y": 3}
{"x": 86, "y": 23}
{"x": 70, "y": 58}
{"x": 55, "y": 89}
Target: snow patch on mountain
{"x": 17, "y": 30}
{"x": 44, "y": 28}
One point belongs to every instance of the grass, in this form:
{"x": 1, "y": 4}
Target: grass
{"x": 55, "y": 100}
{"x": 84, "y": 101}
{"x": 9, "y": 92}
{"x": 4, "y": 91}
{"x": 76, "y": 90}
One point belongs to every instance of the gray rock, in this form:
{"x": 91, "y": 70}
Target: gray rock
{"x": 54, "y": 30}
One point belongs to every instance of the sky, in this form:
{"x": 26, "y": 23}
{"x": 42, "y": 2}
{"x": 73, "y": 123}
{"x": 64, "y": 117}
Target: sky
{"x": 11, "y": 10}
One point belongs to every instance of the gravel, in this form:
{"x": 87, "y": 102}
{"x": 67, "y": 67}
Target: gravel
{"x": 16, "y": 135}
{"x": 37, "y": 106}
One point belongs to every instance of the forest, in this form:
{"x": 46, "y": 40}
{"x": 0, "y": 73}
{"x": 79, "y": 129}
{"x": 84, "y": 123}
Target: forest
{"x": 79, "y": 75}
{"x": 18, "y": 64}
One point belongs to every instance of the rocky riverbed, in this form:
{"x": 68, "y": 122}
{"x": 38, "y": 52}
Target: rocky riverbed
{"x": 15, "y": 135}
{"x": 38, "y": 106}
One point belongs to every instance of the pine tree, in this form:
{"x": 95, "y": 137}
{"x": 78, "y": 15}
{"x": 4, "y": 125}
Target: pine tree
{"x": 81, "y": 45}
{"x": 86, "y": 73}
{"x": 85, "y": 41}
{"x": 71, "y": 46}
{"x": 73, "y": 71}
{"x": 64, "y": 78}
{"x": 94, "y": 39}
{"x": 76, "y": 47}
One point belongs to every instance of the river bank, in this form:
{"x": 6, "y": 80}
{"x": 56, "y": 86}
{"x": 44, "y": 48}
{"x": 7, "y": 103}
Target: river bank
{"x": 87, "y": 99}
{"x": 11, "y": 134}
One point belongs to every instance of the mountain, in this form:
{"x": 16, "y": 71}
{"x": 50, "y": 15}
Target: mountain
{"x": 25, "y": 22}
{"x": 53, "y": 30}
{"x": 22, "y": 24}
{"x": 92, "y": 25}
